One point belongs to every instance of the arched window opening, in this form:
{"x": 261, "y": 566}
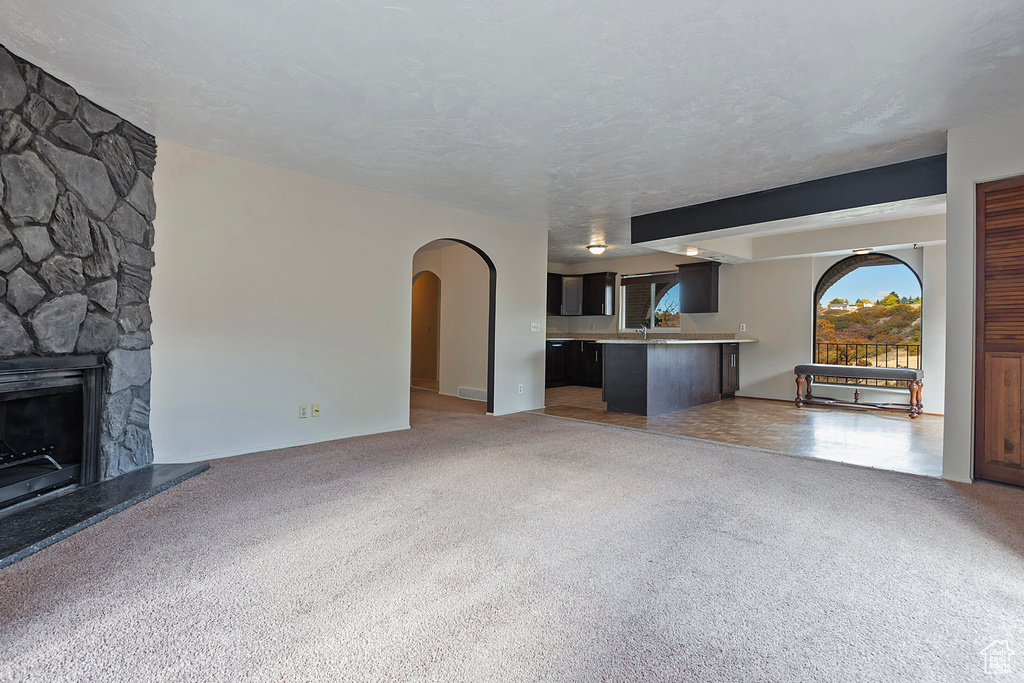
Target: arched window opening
{"x": 867, "y": 312}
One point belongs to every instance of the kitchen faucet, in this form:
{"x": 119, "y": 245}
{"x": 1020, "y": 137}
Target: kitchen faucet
{"x": 643, "y": 328}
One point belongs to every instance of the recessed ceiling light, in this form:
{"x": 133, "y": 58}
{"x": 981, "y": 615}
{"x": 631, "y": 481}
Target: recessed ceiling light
{"x": 692, "y": 251}
{"x": 861, "y": 252}
{"x": 597, "y": 249}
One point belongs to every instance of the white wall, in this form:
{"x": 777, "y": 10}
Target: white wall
{"x": 464, "y": 314}
{"x": 979, "y": 153}
{"x": 773, "y": 298}
{"x": 274, "y": 288}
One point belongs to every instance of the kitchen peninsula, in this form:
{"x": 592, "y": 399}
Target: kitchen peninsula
{"x": 655, "y": 376}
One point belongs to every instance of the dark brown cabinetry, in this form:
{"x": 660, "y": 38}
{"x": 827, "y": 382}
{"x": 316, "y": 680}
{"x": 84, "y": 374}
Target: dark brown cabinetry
{"x": 555, "y": 366}
{"x": 573, "y": 363}
{"x": 554, "y": 294}
{"x": 590, "y": 294}
{"x": 698, "y": 287}
{"x": 730, "y": 370}
{"x": 599, "y": 294}
{"x": 652, "y": 379}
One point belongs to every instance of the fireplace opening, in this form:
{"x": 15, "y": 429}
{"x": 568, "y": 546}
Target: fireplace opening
{"x": 49, "y": 425}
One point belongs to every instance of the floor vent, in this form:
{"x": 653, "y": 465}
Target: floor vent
{"x": 473, "y": 394}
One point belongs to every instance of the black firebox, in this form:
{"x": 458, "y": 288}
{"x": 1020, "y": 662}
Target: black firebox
{"x": 49, "y": 424}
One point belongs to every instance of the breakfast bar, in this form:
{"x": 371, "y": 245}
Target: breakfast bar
{"x": 655, "y": 376}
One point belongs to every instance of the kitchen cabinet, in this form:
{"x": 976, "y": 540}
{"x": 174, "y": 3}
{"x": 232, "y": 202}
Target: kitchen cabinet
{"x": 573, "y": 362}
{"x": 554, "y": 294}
{"x": 588, "y": 364}
{"x": 589, "y": 294}
{"x": 698, "y": 287}
{"x": 730, "y": 370}
{"x": 572, "y": 295}
{"x": 555, "y": 364}
{"x": 599, "y": 294}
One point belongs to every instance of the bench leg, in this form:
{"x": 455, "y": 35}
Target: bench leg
{"x": 799, "y": 390}
{"x": 810, "y": 380}
{"x": 920, "y": 403}
{"x": 914, "y": 389}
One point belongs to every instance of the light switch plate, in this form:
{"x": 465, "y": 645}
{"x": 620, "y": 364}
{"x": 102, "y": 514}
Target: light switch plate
{"x": 315, "y": 410}
{"x": 534, "y": 327}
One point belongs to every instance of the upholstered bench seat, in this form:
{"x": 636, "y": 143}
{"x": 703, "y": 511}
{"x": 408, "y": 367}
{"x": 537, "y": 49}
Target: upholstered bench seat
{"x": 858, "y": 372}
{"x": 807, "y": 372}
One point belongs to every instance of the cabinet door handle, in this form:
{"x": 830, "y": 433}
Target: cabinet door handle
{"x": 732, "y": 360}
{"x": 602, "y": 309}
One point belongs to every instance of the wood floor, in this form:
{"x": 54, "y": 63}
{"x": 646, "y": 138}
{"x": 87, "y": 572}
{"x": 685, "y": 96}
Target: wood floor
{"x": 431, "y": 384}
{"x": 878, "y": 439}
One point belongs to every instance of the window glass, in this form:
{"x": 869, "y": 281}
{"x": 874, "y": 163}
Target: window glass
{"x": 869, "y": 314}
{"x": 654, "y": 304}
{"x": 637, "y": 306}
{"x": 666, "y": 309}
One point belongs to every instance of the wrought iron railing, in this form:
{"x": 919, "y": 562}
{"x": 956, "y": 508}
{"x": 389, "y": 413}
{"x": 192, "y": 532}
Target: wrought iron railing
{"x": 868, "y": 355}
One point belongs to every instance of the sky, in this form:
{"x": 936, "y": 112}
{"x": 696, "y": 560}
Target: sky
{"x": 874, "y": 282}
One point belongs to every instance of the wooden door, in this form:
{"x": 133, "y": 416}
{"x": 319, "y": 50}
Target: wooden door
{"x": 999, "y": 371}
{"x": 426, "y": 325}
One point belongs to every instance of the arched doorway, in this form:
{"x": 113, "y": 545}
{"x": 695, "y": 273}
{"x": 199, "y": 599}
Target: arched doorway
{"x": 466, "y": 317}
{"x": 867, "y": 312}
{"x": 426, "y": 329}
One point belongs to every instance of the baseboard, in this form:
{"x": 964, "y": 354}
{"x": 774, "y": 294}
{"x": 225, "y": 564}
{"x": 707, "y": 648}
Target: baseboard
{"x": 272, "y": 447}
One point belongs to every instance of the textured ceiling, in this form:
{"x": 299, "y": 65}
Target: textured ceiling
{"x": 568, "y": 114}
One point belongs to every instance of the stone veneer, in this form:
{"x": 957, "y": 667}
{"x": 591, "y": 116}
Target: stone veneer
{"x": 76, "y": 238}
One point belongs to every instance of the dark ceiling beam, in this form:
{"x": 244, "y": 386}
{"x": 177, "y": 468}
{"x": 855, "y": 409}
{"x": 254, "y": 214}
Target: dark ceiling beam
{"x": 908, "y": 180}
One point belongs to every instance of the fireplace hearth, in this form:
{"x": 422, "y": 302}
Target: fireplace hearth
{"x": 49, "y": 424}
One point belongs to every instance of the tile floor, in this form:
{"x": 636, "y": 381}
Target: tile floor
{"x": 881, "y": 439}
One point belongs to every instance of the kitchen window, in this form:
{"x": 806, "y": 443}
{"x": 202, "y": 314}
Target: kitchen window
{"x": 650, "y": 299}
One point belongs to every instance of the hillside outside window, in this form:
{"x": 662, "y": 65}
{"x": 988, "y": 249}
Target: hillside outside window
{"x": 867, "y": 312}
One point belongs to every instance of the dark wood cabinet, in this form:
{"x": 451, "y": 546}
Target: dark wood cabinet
{"x": 555, "y": 364}
{"x": 588, "y": 370}
{"x": 730, "y": 370}
{"x": 574, "y": 363}
{"x": 698, "y": 287}
{"x": 599, "y": 294}
{"x": 554, "y": 294}
{"x": 590, "y": 294}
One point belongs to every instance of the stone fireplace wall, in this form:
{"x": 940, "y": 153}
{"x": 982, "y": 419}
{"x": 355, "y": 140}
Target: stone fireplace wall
{"x": 76, "y": 238}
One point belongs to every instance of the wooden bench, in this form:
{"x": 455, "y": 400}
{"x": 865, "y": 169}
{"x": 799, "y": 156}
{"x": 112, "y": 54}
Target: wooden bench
{"x": 808, "y": 371}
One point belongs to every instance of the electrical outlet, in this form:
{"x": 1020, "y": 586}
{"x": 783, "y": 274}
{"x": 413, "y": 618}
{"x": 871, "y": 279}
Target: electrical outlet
{"x": 534, "y": 327}
{"x": 315, "y": 411}
{"x": 303, "y": 412}
{"x": 520, "y": 388}
{"x": 743, "y": 327}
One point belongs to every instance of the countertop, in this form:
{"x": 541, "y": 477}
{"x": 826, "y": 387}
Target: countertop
{"x": 661, "y": 338}
{"x": 730, "y": 340}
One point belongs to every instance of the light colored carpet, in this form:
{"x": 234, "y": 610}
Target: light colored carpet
{"x": 527, "y": 548}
